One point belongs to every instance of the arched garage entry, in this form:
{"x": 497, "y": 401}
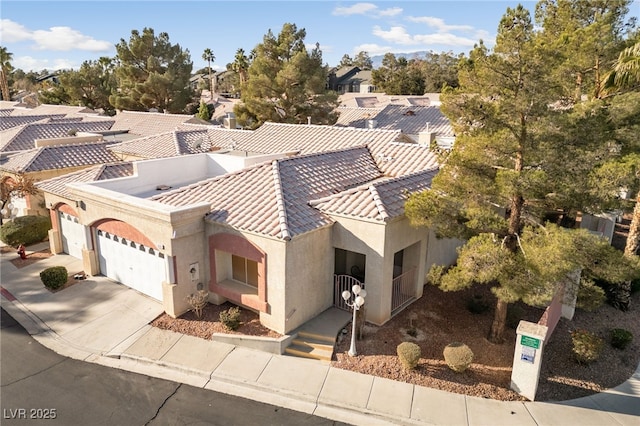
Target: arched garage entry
{"x": 129, "y": 257}
{"x": 72, "y": 232}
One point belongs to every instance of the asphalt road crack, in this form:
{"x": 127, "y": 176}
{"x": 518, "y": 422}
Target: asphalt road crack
{"x": 163, "y": 404}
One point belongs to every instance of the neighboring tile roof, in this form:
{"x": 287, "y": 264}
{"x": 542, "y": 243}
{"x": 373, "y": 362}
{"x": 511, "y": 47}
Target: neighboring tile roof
{"x": 8, "y": 122}
{"x": 355, "y": 116}
{"x": 281, "y": 137}
{"x": 46, "y": 109}
{"x": 58, "y": 185}
{"x": 272, "y": 198}
{"x": 23, "y": 137}
{"x": 59, "y": 157}
{"x": 379, "y": 201}
{"x": 150, "y": 123}
{"x": 191, "y": 139}
{"x": 410, "y": 119}
{"x": 398, "y": 159}
{"x": 5, "y": 112}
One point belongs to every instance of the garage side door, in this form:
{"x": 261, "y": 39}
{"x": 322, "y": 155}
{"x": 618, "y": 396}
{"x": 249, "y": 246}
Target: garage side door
{"x": 132, "y": 264}
{"x": 72, "y": 235}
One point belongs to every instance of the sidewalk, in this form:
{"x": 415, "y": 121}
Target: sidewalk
{"x": 106, "y": 323}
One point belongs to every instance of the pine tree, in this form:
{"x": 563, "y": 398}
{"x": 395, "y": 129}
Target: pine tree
{"x": 286, "y": 84}
{"x": 152, "y": 73}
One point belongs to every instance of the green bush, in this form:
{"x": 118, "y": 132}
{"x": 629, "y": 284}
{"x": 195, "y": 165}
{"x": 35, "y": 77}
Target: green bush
{"x": 409, "y": 354}
{"x": 620, "y": 338}
{"x": 25, "y": 230}
{"x": 586, "y": 346}
{"x": 230, "y": 318}
{"x": 54, "y": 277}
{"x": 458, "y": 356}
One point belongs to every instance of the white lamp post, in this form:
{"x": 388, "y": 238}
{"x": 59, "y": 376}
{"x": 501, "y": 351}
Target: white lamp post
{"x": 358, "y": 300}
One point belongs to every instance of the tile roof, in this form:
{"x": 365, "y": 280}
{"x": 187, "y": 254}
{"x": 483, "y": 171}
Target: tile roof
{"x": 281, "y": 137}
{"x": 5, "y": 112}
{"x": 397, "y": 159}
{"x": 59, "y": 157}
{"x": 58, "y": 185}
{"x": 378, "y": 201}
{"x": 410, "y": 119}
{"x": 150, "y": 123}
{"x": 23, "y": 137}
{"x": 356, "y": 116}
{"x": 47, "y": 109}
{"x": 189, "y": 139}
{"x": 272, "y": 198}
{"x": 8, "y": 122}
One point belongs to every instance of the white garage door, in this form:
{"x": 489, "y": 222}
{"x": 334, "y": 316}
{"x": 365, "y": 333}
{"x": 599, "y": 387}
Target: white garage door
{"x": 132, "y": 264}
{"x": 72, "y": 235}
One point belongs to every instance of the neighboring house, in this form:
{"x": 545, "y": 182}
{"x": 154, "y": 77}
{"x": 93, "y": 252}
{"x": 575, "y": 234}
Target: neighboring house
{"x": 423, "y": 125}
{"x": 278, "y": 233}
{"x": 9, "y": 121}
{"x": 48, "y": 109}
{"x": 350, "y": 80}
{"x": 27, "y": 136}
{"x": 380, "y": 100}
{"x": 142, "y": 123}
{"x": 187, "y": 140}
{"x": 51, "y": 161}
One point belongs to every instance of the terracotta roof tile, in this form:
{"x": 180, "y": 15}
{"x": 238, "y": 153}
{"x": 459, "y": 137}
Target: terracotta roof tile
{"x": 59, "y": 157}
{"x": 280, "y": 137}
{"x": 379, "y": 201}
{"x": 187, "y": 140}
{"x": 8, "y": 122}
{"x": 272, "y": 198}
{"x": 149, "y": 123}
{"x": 23, "y": 137}
{"x": 410, "y": 119}
{"x": 58, "y": 185}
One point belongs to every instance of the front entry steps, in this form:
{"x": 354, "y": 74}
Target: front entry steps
{"x": 316, "y": 338}
{"x": 310, "y": 345}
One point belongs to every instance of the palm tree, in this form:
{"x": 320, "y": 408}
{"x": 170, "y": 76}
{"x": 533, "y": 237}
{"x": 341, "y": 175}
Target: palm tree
{"x": 5, "y": 70}
{"x": 209, "y": 57}
{"x": 240, "y": 65}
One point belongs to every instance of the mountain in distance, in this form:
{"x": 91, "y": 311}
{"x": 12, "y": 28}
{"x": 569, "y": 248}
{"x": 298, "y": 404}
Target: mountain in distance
{"x": 377, "y": 60}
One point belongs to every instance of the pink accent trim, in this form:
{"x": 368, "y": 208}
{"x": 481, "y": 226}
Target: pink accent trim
{"x": 240, "y": 247}
{"x": 7, "y": 295}
{"x": 123, "y": 229}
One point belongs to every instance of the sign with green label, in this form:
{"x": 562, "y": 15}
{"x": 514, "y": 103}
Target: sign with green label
{"x": 532, "y": 342}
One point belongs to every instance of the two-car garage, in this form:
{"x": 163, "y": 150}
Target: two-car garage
{"x": 131, "y": 263}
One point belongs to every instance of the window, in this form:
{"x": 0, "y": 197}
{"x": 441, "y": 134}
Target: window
{"x": 245, "y": 270}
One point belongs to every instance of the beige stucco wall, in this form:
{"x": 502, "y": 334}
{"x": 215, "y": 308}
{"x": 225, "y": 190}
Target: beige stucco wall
{"x": 178, "y": 233}
{"x": 309, "y": 277}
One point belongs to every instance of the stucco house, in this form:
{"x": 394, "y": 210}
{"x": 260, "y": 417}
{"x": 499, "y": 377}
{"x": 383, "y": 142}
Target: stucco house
{"x": 280, "y": 232}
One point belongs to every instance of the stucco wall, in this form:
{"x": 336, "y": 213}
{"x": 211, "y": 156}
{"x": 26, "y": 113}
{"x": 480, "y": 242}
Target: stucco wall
{"x": 309, "y": 277}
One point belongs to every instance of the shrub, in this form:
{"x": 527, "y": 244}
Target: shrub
{"x": 54, "y": 277}
{"x": 409, "y": 354}
{"x": 458, "y": 356}
{"x": 586, "y": 346}
{"x": 230, "y": 318}
{"x": 25, "y": 230}
{"x": 198, "y": 301}
{"x": 620, "y": 338}
{"x": 477, "y": 305}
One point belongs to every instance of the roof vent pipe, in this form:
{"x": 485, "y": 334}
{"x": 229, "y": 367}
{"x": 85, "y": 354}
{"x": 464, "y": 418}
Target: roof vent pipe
{"x": 309, "y": 120}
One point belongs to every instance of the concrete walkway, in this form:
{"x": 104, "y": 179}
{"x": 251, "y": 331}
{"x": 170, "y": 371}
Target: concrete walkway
{"x": 107, "y": 323}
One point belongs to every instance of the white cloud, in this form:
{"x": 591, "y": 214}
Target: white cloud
{"x": 66, "y": 38}
{"x": 369, "y": 9}
{"x": 372, "y": 49}
{"x": 356, "y": 9}
{"x": 12, "y": 31}
{"x": 438, "y": 24}
{"x": 396, "y": 35}
{"x": 28, "y": 63}
{"x": 399, "y": 36}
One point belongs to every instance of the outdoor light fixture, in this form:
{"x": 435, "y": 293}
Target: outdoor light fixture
{"x": 358, "y": 300}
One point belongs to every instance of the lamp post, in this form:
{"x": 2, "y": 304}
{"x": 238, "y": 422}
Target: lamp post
{"x": 358, "y": 300}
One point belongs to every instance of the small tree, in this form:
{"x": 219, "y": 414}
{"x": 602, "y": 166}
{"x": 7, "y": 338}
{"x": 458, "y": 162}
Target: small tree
{"x": 205, "y": 111}
{"x": 18, "y": 186}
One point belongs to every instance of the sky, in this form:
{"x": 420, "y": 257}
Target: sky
{"x": 57, "y": 35}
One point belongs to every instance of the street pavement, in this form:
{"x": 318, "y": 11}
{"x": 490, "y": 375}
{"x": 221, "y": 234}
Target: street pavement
{"x": 104, "y": 322}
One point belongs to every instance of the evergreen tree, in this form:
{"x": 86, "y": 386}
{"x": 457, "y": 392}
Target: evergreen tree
{"x": 286, "y": 84}
{"x": 398, "y": 76}
{"x": 508, "y": 168}
{"x": 152, "y": 73}
{"x": 363, "y": 61}
{"x": 205, "y": 111}
{"x": 345, "y": 61}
